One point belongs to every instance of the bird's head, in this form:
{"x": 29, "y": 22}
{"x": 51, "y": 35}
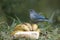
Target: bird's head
{"x": 32, "y": 11}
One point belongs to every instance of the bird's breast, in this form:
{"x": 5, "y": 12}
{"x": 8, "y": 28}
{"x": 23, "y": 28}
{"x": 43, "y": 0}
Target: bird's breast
{"x": 32, "y": 16}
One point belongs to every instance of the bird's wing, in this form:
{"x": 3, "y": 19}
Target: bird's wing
{"x": 39, "y": 16}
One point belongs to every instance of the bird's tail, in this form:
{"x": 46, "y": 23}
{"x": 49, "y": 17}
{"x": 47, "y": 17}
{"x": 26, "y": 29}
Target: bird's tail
{"x": 46, "y": 19}
{"x": 50, "y": 20}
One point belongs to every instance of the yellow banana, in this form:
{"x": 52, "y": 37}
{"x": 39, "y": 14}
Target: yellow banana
{"x": 38, "y": 30}
{"x": 34, "y": 27}
{"x": 25, "y": 27}
{"x": 29, "y": 25}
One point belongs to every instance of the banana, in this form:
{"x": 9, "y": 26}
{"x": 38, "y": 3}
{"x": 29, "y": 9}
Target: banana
{"x": 29, "y": 26}
{"x": 25, "y": 27}
{"x": 38, "y": 30}
{"x": 18, "y": 27}
{"x": 34, "y": 27}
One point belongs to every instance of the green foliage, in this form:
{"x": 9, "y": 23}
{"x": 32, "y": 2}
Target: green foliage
{"x": 20, "y": 8}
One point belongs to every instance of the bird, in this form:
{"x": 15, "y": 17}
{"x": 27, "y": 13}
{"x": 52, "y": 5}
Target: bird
{"x": 34, "y": 16}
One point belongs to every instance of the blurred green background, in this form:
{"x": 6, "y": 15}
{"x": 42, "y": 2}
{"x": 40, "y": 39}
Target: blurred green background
{"x": 19, "y": 8}
{"x": 11, "y": 10}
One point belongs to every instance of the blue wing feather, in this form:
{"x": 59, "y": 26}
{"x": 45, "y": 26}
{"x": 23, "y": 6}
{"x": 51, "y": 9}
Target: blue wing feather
{"x": 39, "y": 16}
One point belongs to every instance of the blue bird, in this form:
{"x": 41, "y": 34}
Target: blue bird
{"x": 34, "y": 16}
